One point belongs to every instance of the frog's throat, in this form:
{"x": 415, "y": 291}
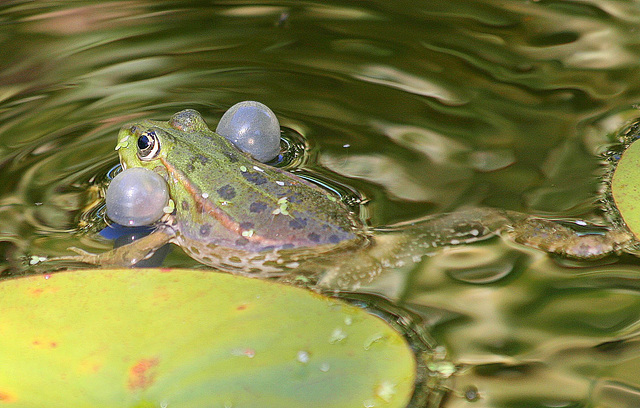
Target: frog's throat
{"x": 206, "y": 205}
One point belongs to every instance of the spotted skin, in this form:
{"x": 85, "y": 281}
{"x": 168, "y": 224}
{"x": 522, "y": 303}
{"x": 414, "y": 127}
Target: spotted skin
{"x": 233, "y": 205}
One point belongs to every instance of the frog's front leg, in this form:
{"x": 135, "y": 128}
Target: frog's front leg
{"x": 126, "y": 255}
{"x": 550, "y": 236}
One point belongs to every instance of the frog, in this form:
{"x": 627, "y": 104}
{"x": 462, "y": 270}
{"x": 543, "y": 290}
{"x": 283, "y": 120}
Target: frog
{"x": 246, "y": 217}
{"x": 231, "y": 212}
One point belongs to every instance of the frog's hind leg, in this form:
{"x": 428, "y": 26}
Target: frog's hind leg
{"x": 548, "y": 235}
{"x": 126, "y": 255}
{"x": 460, "y": 227}
{"x": 553, "y": 237}
{"x": 404, "y": 245}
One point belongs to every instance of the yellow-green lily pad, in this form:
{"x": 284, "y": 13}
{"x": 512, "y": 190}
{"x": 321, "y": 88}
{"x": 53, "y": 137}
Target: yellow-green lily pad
{"x": 188, "y": 338}
{"x": 625, "y": 187}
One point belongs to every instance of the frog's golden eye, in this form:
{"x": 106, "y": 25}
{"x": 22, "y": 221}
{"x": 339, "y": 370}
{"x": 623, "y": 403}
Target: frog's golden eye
{"x": 148, "y": 145}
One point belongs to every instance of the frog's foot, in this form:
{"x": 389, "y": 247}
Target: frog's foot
{"x": 553, "y": 237}
{"x": 124, "y": 256}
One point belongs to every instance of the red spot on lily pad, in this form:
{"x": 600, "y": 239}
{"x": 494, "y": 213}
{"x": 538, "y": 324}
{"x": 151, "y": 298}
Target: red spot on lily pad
{"x": 36, "y": 292}
{"x": 6, "y": 397}
{"x": 141, "y": 375}
{"x": 44, "y": 344}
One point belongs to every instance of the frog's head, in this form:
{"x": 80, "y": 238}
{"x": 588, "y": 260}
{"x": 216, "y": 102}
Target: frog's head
{"x": 145, "y": 143}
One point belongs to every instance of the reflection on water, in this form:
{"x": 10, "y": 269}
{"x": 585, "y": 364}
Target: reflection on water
{"x": 423, "y": 107}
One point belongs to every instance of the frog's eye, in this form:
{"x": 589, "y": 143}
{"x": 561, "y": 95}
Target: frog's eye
{"x": 148, "y": 146}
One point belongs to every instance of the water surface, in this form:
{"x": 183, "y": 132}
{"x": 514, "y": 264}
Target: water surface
{"x": 422, "y": 107}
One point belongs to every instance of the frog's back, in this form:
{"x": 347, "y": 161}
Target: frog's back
{"x": 239, "y": 203}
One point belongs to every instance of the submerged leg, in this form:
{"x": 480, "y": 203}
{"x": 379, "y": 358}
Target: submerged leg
{"x": 551, "y": 236}
{"x": 460, "y": 227}
{"x": 126, "y": 255}
{"x": 405, "y": 244}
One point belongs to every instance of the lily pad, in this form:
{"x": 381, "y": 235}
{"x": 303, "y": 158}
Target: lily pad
{"x": 624, "y": 187}
{"x": 188, "y": 338}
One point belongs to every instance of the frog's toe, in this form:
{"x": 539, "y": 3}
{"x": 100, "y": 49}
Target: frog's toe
{"x": 81, "y": 256}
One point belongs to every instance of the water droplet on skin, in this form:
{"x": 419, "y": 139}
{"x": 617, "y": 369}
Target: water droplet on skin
{"x": 368, "y": 403}
{"x": 348, "y": 320}
{"x": 324, "y": 367}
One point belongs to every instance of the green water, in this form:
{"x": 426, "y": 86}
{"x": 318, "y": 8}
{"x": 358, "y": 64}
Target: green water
{"x": 422, "y": 107}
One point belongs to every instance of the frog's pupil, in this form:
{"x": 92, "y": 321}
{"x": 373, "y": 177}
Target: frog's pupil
{"x": 144, "y": 142}
{"x": 148, "y": 145}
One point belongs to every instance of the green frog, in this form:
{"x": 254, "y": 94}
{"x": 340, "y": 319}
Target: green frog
{"x": 230, "y": 211}
{"x": 246, "y": 217}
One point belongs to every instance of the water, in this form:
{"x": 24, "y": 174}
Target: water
{"x": 422, "y": 107}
